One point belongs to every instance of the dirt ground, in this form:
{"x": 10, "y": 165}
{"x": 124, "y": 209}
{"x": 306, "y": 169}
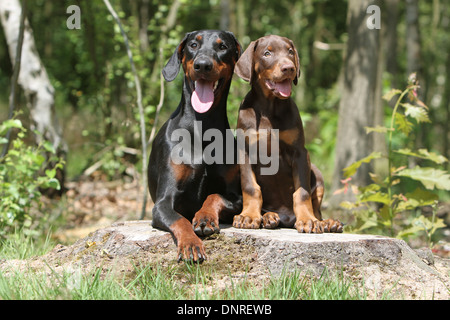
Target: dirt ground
{"x": 96, "y": 204}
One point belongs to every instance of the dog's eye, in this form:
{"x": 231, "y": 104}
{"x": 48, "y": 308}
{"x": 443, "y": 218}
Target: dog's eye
{"x": 223, "y": 47}
{"x": 194, "y": 45}
{"x": 267, "y": 53}
{"x": 291, "y": 51}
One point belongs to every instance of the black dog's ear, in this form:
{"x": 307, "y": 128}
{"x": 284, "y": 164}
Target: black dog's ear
{"x": 237, "y": 44}
{"x": 245, "y": 66}
{"x": 170, "y": 71}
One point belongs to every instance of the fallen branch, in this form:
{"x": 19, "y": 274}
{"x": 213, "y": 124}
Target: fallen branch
{"x": 139, "y": 103}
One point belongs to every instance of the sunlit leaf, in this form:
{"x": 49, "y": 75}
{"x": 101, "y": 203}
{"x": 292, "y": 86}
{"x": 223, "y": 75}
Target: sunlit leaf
{"x": 54, "y": 183}
{"x": 376, "y": 197}
{"x": 424, "y": 154}
{"x": 410, "y": 231}
{"x": 348, "y": 205}
{"x": 430, "y": 177}
{"x": 418, "y": 113}
{"x": 9, "y": 124}
{"x": 390, "y": 94}
{"x": 403, "y": 124}
{"x": 384, "y": 213}
{"x": 378, "y": 129}
{"x": 351, "y": 169}
{"x": 421, "y": 197}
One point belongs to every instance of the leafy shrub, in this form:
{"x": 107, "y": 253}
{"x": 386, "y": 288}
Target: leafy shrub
{"x": 386, "y": 193}
{"x": 24, "y": 170}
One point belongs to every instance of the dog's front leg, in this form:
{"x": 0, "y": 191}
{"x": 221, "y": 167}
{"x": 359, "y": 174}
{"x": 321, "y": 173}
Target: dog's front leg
{"x": 189, "y": 245}
{"x": 306, "y": 221}
{"x": 250, "y": 218}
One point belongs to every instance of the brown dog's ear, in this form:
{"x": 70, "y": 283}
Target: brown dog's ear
{"x": 297, "y": 63}
{"x": 245, "y": 66}
{"x": 170, "y": 71}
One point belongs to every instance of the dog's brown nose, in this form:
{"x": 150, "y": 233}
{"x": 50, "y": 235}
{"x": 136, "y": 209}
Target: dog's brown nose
{"x": 288, "y": 67}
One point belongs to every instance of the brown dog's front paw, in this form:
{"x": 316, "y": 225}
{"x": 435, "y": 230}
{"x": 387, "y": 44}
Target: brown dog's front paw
{"x": 309, "y": 226}
{"x": 270, "y": 220}
{"x": 191, "y": 250}
{"x": 244, "y": 221}
{"x": 205, "y": 224}
{"x": 330, "y": 225}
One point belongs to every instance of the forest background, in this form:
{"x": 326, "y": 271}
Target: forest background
{"x": 342, "y": 60}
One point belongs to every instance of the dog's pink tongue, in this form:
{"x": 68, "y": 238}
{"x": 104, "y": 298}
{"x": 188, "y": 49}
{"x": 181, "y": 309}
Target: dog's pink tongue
{"x": 203, "y": 96}
{"x": 284, "y": 87}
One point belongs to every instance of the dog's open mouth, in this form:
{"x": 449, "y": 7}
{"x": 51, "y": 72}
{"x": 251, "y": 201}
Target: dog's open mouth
{"x": 282, "y": 88}
{"x": 202, "y": 98}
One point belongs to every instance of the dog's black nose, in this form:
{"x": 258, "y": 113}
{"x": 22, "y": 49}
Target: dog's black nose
{"x": 203, "y": 65}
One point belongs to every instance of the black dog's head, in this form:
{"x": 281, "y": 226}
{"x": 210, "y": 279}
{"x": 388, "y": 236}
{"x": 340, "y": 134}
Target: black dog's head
{"x": 208, "y": 58}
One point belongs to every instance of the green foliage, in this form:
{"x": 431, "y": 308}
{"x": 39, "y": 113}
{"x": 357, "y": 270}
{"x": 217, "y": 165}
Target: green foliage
{"x": 23, "y": 172}
{"x": 386, "y": 193}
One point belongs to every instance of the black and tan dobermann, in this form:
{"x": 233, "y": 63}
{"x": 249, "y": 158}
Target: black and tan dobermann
{"x": 191, "y": 196}
{"x": 293, "y": 196}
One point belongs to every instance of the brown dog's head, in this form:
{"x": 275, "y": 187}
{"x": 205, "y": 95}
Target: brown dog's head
{"x": 272, "y": 63}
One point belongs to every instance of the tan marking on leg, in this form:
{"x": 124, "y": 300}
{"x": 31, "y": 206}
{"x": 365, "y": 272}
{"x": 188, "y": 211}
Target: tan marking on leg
{"x": 181, "y": 171}
{"x": 316, "y": 199}
{"x": 306, "y": 221}
{"x": 289, "y": 136}
{"x": 250, "y": 218}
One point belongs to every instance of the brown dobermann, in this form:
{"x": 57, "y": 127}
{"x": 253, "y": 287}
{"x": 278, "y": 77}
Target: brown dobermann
{"x": 195, "y": 189}
{"x": 293, "y": 196}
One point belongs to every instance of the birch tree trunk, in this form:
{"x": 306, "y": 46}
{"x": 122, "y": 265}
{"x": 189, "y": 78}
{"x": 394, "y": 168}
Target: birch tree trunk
{"x": 33, "y": 77}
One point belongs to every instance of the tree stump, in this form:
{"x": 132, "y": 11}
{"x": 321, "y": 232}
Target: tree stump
{"x": 382, "y": 263}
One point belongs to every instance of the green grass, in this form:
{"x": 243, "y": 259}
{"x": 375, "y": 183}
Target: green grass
{"x": 150, "y": 284}
{"x": 179, "y": 281}
{"x": 20, "y": 246}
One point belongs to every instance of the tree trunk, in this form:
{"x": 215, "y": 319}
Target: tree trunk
{"x": 143, "y": 25}
{"x": 33, "y": 78}
{"x": 413, "y": 38}
{"x": 224, "y": 15}
{"x": 414, "y": 64}
{"x": 390, "y": 35}
{"x": 445, "y": 105}
{"x": 359, "y": 95}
